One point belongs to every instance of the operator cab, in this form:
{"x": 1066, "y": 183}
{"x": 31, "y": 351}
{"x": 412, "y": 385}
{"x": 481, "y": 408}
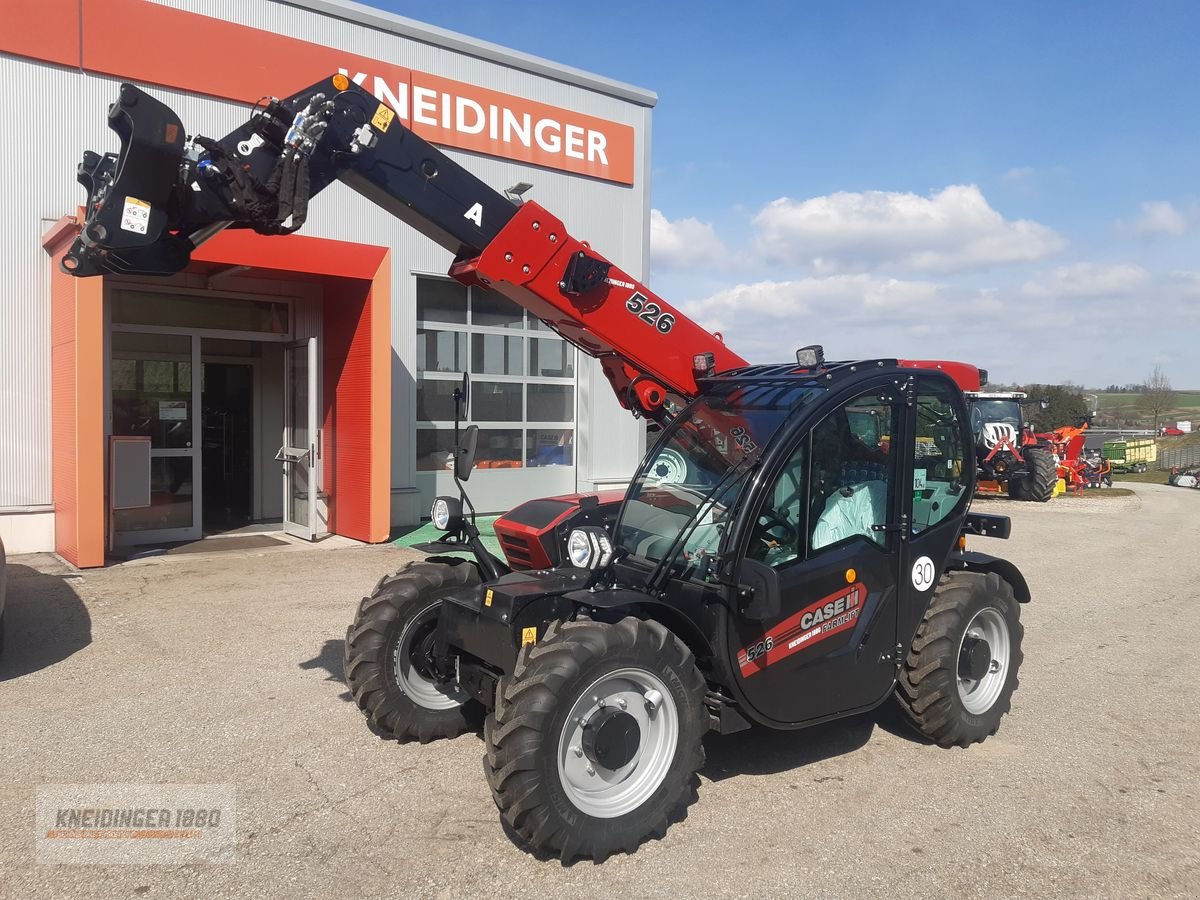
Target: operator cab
{"x": 793, "y": 491}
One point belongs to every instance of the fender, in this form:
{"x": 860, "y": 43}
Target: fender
{"x": 981, "y": 562}
{"x": 644, "y": 606}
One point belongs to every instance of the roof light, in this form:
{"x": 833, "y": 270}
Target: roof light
{"x": 811, "y": 357}
{"x": 704, "y": 363}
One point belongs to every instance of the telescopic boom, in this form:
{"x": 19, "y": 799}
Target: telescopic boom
{"x": 165, "y": 194}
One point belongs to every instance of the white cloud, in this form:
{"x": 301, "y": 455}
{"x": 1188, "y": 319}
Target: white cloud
{"x": 1059, "y": 324}
{"x": 854, "y": 316}
{"x": 1088, "y": 281}
{"x": 1018, "y": 175}
{"x": 847, "y": 296}
{"x": 951, "y": 230}
{"x": 683, "y": 243}
{"x": 1157, "y": 218}
{"x": 765, "y": 321}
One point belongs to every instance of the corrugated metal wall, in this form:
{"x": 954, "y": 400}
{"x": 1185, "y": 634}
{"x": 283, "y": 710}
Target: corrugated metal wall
{"x": 64, "y": 112}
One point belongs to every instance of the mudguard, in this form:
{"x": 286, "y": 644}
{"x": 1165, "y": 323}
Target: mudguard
{"x": 643, "y": 606}
{"x": 982, "y": 562}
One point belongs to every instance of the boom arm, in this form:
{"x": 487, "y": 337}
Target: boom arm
{"x": 163, "y": 195}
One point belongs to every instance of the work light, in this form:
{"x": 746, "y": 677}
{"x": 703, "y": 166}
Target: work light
{"x": 446, "y": 513}
{"x": 589, "y": 548}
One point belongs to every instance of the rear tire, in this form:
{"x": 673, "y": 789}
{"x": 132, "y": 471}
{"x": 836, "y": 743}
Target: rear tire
{"x": 386, "y": 648}
{"x": 959, "y": 676}
{"x": 546, "y": 767}
{"x": 1038, "y": 485}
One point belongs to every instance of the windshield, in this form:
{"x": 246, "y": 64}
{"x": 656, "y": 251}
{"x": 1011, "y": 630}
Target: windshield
{"x": 1006, "y": 412}
{"x": 679, "y": 502}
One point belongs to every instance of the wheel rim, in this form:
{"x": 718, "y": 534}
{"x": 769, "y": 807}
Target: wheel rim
{"x": 670, "y": 467}
{"x": 607, "y": 793}
{"x": 411, "y": 673}
{"x": 987, "y": 632}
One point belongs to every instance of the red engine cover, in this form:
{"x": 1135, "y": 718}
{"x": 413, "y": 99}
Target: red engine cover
{"x": 530, "y": 533}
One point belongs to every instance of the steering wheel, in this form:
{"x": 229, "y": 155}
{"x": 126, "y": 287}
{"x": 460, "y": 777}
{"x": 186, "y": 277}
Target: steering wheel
{"x": 776, "y": 531}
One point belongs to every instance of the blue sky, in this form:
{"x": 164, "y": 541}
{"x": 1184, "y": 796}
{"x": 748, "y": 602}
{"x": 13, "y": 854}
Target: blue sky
{"x": 1014, "y": 184}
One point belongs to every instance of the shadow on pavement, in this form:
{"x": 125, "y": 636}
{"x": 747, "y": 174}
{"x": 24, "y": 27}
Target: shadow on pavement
{"x": 45, "y": 622}
{"x": 331, "y": 658}
{"x": 761, "y": 751}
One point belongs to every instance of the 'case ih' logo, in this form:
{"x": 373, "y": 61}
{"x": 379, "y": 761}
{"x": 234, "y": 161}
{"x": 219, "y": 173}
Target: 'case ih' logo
{"x": 807, "y": 628}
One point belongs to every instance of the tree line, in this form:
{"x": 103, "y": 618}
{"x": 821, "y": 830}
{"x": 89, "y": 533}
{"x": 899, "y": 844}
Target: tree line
{"x": 1067, "y": 404}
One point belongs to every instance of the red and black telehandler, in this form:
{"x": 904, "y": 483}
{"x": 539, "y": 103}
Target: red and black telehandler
{"x": 768, "y": 565}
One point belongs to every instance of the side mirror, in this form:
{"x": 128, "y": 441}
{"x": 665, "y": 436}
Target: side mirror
{"x": 464, "y": 453}
{"x": 1044, "y": 403}
{"x": 462, "y": 398}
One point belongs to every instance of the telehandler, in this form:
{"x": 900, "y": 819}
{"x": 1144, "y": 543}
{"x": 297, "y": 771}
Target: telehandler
{"x": 768, "y": 565}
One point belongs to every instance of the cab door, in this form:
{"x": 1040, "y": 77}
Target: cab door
{"x": 942, "y": 484}
{"x": 820, "y": 552}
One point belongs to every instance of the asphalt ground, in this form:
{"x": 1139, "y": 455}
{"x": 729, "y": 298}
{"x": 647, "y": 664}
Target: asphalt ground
{"x": 228, "y": 670}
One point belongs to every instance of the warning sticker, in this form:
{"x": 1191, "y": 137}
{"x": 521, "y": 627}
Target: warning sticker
{"x": 528, "y": 636}
{"x": 136, "y": 215}
{"x": 383, "y": 117}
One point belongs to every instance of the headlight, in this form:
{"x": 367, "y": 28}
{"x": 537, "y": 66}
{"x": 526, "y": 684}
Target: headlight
{"x": 589, "y": 548}
{"x": 446, "y": 513}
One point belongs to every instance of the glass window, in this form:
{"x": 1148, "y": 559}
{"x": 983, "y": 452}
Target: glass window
{"x": 435, "y": 401}
{"x": 123, "y": 374}
{"x": 230, "y": 347}
{"x": 441, "y": 351}
{"x": 499, "y": 448}
{"x": 435, "y": 449}
{"x": 680, "y": 499}
{"x": 496, "y": 354}
{"x": 551, "y": 358}
{"x": 551, "y": 402}
{"x": 495, "y": 401}
{"x": 850, "y": 473}
{"x": 523, "y": 376}
{"x": 151, "y": 384}
{"x": 939, "y": 456}
{"x": 776, "y": 538}
{"x": 182, "y": 310}
{"x": 170, "y": 497}
{"x": 494, "y": 310}
{"x": 550, "y": 447}
{"x": 441, "y": 301}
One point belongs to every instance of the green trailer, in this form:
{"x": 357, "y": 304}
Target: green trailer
{"x": 1131, "y": 456}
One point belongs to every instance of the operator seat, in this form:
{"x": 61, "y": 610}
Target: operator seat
{"x": 853, "y": 510}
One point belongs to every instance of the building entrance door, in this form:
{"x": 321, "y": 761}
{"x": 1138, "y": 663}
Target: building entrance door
{"x": 300, "y": 453}
{"x": 155, "y": 380}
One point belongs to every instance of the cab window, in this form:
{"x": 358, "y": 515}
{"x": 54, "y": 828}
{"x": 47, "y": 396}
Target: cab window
{"x": 939, "y": 456}
{"x": 834, "y": 488}
{"x": 851, "y": 473}
{"x": 778, "y": 533}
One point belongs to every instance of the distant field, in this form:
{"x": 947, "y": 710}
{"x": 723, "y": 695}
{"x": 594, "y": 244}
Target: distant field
{"x": 1126, "y": 408}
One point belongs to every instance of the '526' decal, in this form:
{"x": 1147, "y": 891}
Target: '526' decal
{"x": 650, "y": 313}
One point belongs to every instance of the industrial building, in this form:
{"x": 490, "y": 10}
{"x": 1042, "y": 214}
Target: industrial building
{"x": 299, "y": 383}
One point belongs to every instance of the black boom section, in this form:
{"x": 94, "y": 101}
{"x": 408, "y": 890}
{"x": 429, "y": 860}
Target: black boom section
{"x": 163, "y": 195}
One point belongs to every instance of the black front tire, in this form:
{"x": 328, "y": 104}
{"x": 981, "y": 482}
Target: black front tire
{"x": 928, "y": 692}
{"x": 524, "y": 732}
{"x": 404, "y": 606}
